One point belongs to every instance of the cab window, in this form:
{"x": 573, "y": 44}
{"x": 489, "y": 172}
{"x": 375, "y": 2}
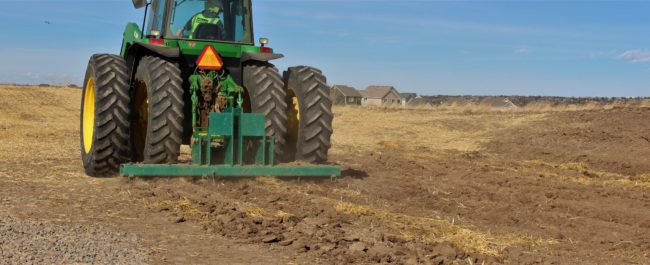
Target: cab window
{"x": 216, "y": 20}
{"x": 156, "y": 17}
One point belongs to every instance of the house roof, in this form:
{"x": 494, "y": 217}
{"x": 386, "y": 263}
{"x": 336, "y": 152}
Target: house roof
{"x": 347, "y": 91}
{"x": 406, "y": 95}
{"x": 419, "y": 102}
{"x": 376, "y": 91}
{"x": 498, "y": 102}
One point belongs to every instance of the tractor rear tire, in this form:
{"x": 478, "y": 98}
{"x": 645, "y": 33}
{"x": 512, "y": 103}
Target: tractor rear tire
{"x": 104, "y": 124}
{"x": 158, "y": 103}
{"x": 265, "y": 90}
{"x": 310, "y": 114}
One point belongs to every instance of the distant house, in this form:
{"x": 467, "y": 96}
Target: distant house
{"x": 345, "y": 95}
{"x": 498, "y": 103}
{"x": 407, "y": 97}
{"x": 419, "y": 102}
{"x": 380, "y": 95}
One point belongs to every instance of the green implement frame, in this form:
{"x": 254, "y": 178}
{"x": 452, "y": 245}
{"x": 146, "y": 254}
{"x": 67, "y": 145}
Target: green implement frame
{"x": 131, "y": 170}
{"x": 220, "y": 152}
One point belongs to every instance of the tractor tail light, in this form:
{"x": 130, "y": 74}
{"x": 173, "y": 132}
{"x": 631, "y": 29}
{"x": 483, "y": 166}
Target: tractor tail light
{"x": 157, "y": 41}
{"x": 265, "y": 50}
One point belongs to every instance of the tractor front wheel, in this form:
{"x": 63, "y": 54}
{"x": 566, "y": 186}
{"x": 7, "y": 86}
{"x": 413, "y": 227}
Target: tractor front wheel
{"x": 309, "y": 115}
{"x": 104, "y": 125}
{"x": 158, "y": 105}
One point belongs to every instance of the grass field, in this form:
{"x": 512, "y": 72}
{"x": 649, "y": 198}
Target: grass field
{"x": 452, "y": 184}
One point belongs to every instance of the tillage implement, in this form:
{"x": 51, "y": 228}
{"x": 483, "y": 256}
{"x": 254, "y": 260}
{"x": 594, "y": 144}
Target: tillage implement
{"x": 192, "y": 75}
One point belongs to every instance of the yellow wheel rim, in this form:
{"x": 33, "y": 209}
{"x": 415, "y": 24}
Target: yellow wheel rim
{"x": 296, "y": 109}
{"x": 89, "y": 115}
{"x": 293, "y": 116}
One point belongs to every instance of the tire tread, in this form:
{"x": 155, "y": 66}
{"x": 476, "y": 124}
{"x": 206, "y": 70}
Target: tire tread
{"x": 111, "y": 146}
{"x": 315, "y": 130}
{"x": 267, "y": 94}
{"x": 163, "y": 141}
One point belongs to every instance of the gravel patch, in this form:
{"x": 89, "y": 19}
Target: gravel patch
{"x": 26, "y": 242}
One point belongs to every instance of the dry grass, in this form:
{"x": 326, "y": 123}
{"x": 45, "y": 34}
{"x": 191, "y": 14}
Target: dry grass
{"x": 578, "y": 166}
{"x": 418, "y": 228}
{"x": 390, "y": 144}
{"x": 254, "y": 212}
{"x": 350, "y": 208}
{"x": 41, "y": 138}
{"x": 645, "y": 103}
{"x": 185, "y": 207}
{"x": 39, "y": 130}
{"x": 347, "y": 192}
{"x": 644, "y": 178}
{"x": 623, "y": 182}
{"x": 267, "y": 181}
{"x": 420, "y": 133}
{"x": 534, "y": 107}
{"x": 579, "y": 172}
{"x": 431, "y": 230}
{"x": 182, "y": 207}
{"x": 283, "y": 215}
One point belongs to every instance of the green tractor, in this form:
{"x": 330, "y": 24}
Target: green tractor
{"x": 192, "y": 75}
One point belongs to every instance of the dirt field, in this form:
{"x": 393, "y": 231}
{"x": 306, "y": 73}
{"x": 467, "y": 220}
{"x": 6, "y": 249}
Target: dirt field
{"x": 419, "y": 187}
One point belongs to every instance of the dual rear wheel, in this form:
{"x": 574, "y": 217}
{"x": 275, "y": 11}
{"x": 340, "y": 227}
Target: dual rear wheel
{"x": 158, "y": 106}
{"x": 146, "y": 125}
{"x": 297, "y": 107}
{"x": 309, "y": 115}
{"x": 120, "y": 126}
{"x": 105, "y": 116}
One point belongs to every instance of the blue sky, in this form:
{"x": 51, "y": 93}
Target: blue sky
{"x": 563, "y": 48}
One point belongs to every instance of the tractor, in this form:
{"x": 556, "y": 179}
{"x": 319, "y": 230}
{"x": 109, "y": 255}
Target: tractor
{"x": 192, "y": 75}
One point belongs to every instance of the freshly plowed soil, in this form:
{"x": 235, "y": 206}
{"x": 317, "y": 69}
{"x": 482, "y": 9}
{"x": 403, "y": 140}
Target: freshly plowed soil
{"x": 418, "y": 187}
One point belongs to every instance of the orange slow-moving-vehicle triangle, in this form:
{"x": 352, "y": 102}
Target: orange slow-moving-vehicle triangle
{"x": 209, "y": 59}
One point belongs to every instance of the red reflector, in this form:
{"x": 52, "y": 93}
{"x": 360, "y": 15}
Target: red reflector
{"x": 209, "y": 59}
{"x": 157, "y": 41}
{"x": 265, "y": 50}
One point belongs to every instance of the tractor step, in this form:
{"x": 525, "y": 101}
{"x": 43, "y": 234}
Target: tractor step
{"x": 133, "y": 170}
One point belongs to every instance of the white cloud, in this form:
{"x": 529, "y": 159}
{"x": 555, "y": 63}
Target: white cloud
{"x": 636, "y": 56}
{"x": 523, "y": 50}
{"x": 35, "y": 66}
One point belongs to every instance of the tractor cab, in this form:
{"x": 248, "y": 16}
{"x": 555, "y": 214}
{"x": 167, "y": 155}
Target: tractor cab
{"x": 206, "y": 20}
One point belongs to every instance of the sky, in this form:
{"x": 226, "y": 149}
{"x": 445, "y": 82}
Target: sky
{"x": 549, "y": 48}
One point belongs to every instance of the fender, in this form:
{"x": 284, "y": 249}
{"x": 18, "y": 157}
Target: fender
{"x": 138, "y": 47}
{"x": 260, "y": 57}
{"x": 134, "y": 46}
